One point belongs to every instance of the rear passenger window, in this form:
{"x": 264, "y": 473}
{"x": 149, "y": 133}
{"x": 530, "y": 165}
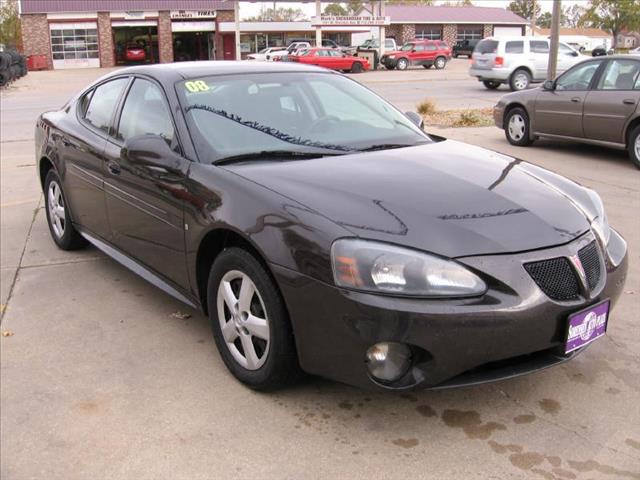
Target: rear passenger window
{"x": 514, "y": 47}
{"x": 620, "y": 74}
{"x": 103, "y": 103}
{"x": 539, "y": 46}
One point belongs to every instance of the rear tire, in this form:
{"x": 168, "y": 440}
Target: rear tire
{"x": 62, "y": 230}
{"x": 258, "y": 362}
{"x": 520, "y": 80}
{"x": 402, "y": 64}
{"x": 440, "y": 63}
{"x": 490, "y": 84}
{"x": 517, "y": 127}
{"x": 634, "y": 146}
{"x": 356, "y": 67}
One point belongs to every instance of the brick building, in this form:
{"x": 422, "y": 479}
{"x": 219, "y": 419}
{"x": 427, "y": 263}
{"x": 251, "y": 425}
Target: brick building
{"x": 451, "y": 24}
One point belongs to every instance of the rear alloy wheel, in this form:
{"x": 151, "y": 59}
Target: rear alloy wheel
{"x": 516, "y": 127}
{"x": 250, "y": 322}
{"x": 440, "y": 63}
{"x": 403, "y": 63}
{"x": 62, "y": 230}
{"x": 520, "y": 79}
{"x": 634, "y": 146}
{"x": 356, "y": 67}
{"x": 490, "y": 84}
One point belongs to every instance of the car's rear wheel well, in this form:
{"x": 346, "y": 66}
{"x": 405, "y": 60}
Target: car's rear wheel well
{"x": 633, "y": 124}
{"x": 214, "y": 243}
{"x": 526, "y": 69}
{"x": 45, "y": 166}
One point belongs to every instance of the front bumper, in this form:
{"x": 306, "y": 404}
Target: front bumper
{"x": 512, "y": 330}
{"x": 498, "y": 115}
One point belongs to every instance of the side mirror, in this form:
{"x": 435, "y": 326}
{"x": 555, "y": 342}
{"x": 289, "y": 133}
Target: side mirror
{"x": 575, "y": 54}
{"x": 151, "y": 151}
{"x": 415, "y": 119}
{"x": 549, "y": 85}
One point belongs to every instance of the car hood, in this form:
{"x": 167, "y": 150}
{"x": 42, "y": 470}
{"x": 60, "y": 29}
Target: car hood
{"x": 448, "y": 198}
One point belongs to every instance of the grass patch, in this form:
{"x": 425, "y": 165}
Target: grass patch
{"x": 427, "y": 107}
{"x": 474, "y": 117}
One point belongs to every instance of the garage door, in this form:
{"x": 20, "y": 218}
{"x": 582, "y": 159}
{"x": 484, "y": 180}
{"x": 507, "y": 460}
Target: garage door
{"x": 507, "y": 31}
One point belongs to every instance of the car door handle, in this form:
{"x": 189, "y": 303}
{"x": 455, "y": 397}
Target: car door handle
{"x": 575, "y": 99}
{"x": 629, "y": 101}
{"x": 114, "y": 168}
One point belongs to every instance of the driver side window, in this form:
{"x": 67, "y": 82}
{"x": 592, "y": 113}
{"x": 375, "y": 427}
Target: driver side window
{"x": 578, "y": 78}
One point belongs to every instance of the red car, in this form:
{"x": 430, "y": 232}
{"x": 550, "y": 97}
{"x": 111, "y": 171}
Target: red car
{"x": 134, "y": 53}
{"x": 418, "y": 52}
{"x": 331, "y": 58}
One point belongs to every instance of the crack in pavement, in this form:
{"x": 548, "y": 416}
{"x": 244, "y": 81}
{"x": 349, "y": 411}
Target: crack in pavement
{"x": 24, "y": 248}
{"x": 563, "y": 427}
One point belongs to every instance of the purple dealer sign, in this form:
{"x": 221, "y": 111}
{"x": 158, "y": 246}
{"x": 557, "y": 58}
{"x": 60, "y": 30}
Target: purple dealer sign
{"x": 587, "y": 325}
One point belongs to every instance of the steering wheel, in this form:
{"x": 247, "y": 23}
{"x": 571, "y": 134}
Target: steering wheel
{"x": 323, "y": 124}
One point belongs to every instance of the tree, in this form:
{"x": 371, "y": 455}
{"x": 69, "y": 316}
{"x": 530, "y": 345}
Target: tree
{"x": 527, "y": 9}
{"x": 10, "y": 28}
{"x": 354, "y": 7}
{"x": 279, "y": 15}
{"x": 613, "y": 16}
{"x": 334, "y": 9}
{"x": 573, "y": 15}
{"x": 457, "y": 3}
{"x": 544, "y": 20}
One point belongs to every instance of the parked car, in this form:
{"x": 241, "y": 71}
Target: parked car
{"x": 464, "y": 47}
{"x": 134, "y": 53}
{"x": 517, "y": 61}
{"x": 601, "y": 51}
{"x": 374, "y": 43}
{"x": 290, "y": 50}
{"x": 256, "y": 196}
{"x": 596, "y": 102}
{"x": 262, "y": 54}
{"x": 333, "y": 59}
{"x": 635, "y": 51}
{"x": 418, "y": 52}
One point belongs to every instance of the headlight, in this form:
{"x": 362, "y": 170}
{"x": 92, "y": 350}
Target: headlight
{"x": 599, "y": 224}
{"x": 382, "y": 268}
{"x": 391, "y": 56}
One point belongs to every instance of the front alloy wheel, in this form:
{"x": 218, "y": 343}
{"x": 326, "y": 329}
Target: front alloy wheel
{"x": 403, "y": 63}
{"x": 441, "y": 62}
{"x": 243, "y": 320}
{"x": 250, "y": 321}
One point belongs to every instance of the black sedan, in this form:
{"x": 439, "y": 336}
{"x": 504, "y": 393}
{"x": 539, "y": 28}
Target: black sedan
{"x": 322, "y": 231}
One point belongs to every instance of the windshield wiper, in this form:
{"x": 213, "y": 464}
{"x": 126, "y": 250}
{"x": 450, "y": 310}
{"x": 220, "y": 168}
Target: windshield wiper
{"x": 389, "y": 146}
{"x": 273, "y": 154}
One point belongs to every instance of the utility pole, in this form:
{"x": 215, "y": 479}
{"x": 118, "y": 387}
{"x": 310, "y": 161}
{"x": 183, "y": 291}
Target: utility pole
{"x": 555, "y": 38}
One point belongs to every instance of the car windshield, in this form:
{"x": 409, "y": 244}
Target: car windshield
{"x": 304, "y": 112}
{"x": 407, "y": 47}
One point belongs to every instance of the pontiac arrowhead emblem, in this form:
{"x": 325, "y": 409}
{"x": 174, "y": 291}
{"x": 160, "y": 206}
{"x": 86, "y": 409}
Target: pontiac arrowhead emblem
{"x": 577, "y": 265}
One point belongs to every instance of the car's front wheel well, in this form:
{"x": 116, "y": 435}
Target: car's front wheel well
{"x": 214, "y": 243}
{"x": 508, "y": 109}
{"x": 44, "y": 167}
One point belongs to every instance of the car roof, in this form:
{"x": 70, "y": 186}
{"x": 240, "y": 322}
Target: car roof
{"x": 173, "y": 72}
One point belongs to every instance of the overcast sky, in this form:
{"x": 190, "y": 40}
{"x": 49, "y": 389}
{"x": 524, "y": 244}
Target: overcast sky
{"x": 249, "y": 9}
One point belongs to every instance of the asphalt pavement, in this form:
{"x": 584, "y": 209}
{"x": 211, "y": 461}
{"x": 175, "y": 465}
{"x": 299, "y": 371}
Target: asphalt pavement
{"x": 106, "y": 377}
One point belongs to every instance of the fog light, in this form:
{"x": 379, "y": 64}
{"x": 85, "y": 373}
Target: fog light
{"x": 388, "y": 361}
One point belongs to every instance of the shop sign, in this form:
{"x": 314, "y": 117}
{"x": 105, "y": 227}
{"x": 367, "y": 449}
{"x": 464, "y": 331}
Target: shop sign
{"x": 192, "y": 14}
{"x": 346, "y": 20}
{"x": 134, "y": 15}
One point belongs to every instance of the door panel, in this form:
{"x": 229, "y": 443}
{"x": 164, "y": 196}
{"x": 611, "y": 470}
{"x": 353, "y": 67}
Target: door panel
{"x": 144, "y": 202}
{"x": 539, "y": 58}
{"x": 82, "y": 150}
{"x": 609, "y": 107}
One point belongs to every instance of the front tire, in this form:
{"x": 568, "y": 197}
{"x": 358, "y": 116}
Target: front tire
{"x": 490, "y": 84}
{"x": 516, "y": 127}
{"x": 250, "y": 322}
{"x": 403, "y": 64}
{"x": 61, "y": 229}
{"x": 440, "y": 63}
{"x": 634, "y": 146}
{"x": 356, "y": 67}
{"x": 520, "y": 80}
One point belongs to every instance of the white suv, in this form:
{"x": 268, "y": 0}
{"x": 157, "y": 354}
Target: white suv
{"x": 517, "y": 61}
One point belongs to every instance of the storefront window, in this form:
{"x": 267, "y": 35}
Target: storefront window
{"x": 275, "y": 40}
{"x": 429, "y": 32}
{"x": 469, "y": 33}
{"x": 248, "y": 43}
{"x": 70, "y": 43}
